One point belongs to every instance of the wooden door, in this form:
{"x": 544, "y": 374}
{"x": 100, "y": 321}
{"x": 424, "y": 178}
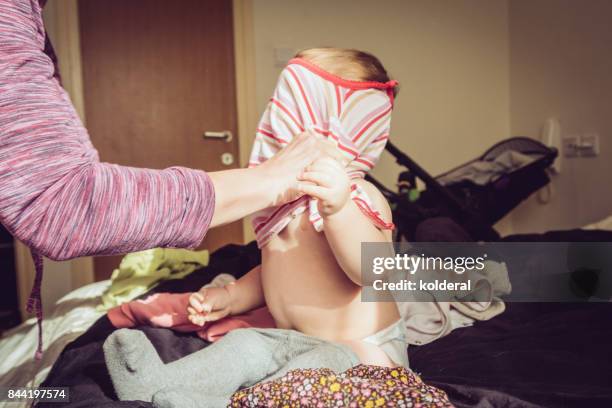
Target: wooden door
{"x": 157, "y": 74}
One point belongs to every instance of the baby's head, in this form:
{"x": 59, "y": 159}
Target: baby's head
{"x": 343, "y": 94}
{"x": 348, "y": 63}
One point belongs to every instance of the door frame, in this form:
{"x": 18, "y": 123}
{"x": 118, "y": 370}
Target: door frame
{"x": 246, "y": 99}
{"x": 62, "y": 24}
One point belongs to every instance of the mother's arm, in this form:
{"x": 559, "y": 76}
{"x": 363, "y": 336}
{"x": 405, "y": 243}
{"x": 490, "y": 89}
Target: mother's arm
{"x": 60, "y": 200}
{"x": 241, "y": 192}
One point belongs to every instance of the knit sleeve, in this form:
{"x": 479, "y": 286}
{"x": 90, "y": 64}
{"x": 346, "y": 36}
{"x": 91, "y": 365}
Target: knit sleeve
{"x": 55, "y": 195}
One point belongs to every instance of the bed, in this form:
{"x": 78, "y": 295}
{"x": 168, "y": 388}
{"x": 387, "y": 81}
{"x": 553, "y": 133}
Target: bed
{"x": 533, "y": 355}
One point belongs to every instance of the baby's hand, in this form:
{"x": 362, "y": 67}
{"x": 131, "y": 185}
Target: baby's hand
{"x": 331, "y": 185}
{"x": 208, "y": 305}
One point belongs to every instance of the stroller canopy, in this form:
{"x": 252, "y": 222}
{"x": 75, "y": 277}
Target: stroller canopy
{"x": 502, "y": 159}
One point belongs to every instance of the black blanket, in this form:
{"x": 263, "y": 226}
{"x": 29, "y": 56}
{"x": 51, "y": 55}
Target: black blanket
{"x": 534, "y": 354}
{"x": 552, "y": 355}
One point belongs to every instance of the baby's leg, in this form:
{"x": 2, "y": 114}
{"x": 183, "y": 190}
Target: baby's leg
{"x": 241, "y": 358}
{"x": 336, "y": 357}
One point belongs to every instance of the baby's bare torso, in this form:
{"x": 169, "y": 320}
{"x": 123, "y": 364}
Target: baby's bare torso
{"x": 306, "y": 290}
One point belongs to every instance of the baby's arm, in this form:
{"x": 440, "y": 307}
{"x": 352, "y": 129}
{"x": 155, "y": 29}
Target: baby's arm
{"x": 246, "y": 293}
{"x": 346, "y": 227}
{"x": 210, "y": 304}
{"x": 349, "y": 227}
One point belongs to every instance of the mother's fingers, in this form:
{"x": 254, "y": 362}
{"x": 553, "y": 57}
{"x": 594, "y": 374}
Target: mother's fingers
{"x": 326, "y": 165}
{"x": 327, "y": 148}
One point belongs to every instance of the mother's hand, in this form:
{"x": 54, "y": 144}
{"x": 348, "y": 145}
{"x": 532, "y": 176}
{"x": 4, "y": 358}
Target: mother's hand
{"x": 240, "y": 192}
{"x": 288, "y": 164}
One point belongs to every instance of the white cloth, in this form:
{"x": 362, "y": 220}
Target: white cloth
{"x": 71, "y": 317}
{"x": 428, "y": 321}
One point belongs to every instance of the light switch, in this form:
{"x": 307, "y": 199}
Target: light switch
{"x": 589, "y": 145}
{"x": 571, "y": 146}
{"x": 581, "y": 145}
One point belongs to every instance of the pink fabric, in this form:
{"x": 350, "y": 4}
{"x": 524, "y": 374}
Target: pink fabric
{"x": 169, "y": 310}
{"x": 355, "y": 115}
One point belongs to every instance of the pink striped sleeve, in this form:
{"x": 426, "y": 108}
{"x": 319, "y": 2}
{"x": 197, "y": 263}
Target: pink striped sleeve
{"x": 55, "y": 195}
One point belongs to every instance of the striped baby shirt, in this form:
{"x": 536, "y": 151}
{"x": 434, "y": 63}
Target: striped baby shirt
{"x": 356, "y": 115}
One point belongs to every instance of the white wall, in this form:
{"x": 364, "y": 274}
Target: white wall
{"x": 451, "y": 57}
{"x": 561, "y": 66}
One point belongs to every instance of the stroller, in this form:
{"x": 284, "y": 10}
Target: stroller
{"x": 464, "y": 203}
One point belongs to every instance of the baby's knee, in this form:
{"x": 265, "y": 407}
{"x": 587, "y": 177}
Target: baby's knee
{"x": 244, "y": 338}
{"x": 250, "y": 341}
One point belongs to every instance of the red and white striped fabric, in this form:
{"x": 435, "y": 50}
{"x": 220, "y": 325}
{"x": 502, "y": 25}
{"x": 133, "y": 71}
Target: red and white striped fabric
{"x": 355, "y": 114}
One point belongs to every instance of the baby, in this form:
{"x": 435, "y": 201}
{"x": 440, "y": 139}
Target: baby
{"x": 310, "y": 276}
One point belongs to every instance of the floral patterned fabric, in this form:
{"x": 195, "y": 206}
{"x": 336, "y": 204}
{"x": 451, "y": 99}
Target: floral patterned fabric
{"x": 360, "y": 386}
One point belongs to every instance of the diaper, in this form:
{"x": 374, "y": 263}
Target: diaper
{"x": 392, "y": 341}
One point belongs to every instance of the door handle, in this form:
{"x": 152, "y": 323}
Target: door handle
{"x": 222, "y": 135}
